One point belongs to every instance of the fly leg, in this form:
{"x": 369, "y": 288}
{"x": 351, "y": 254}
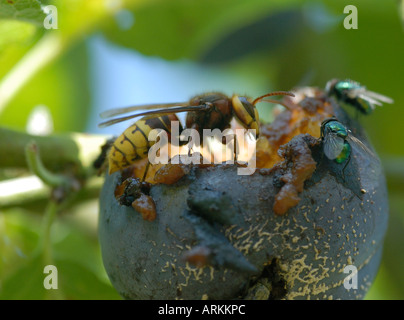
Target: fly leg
{"x": 343, "y": 169}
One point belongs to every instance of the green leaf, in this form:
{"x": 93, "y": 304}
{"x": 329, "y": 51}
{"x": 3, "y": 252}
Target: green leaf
{"x": 16, "y": 38}
{"x": 177, "y": 29}
{"x": 23, "y": 10}
{"x": 78, "y": 283}
{"x": 74, "y": 282}
{"x": 26, "y": 282}
{"x": 22, "y": 61}
{"x": 78, "y": 260}
{"x": 76, "y": 256}
{"x": 78, "y": 248}
{"x": 62, "y": 87}
{"x": 14, "y": 32}
{"x": 18, "y": 269}
{"x": 384, "y": 287}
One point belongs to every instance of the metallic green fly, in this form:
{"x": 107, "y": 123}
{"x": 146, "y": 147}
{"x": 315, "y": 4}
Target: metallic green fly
{"x": 338, "y": 142}
{"x": 356, "y": 95}
{"x": 334, "y": 135}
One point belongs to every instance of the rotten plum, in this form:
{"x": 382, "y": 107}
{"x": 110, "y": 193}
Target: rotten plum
{"x": 198, "y": 248}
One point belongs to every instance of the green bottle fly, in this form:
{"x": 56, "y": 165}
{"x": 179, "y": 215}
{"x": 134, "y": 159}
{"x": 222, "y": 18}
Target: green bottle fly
{"x": 355, "y": 95}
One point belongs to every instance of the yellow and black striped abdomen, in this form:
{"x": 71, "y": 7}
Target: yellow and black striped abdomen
{"x": 133, "y": 144}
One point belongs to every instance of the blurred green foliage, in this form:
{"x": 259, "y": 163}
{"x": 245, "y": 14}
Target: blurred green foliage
{"x": 23, "y": 10}
{"x": 272, "y": 44}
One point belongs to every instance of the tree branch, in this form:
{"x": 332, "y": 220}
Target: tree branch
{"x": 58, "y": 151}
{"x": 65, "y": 162}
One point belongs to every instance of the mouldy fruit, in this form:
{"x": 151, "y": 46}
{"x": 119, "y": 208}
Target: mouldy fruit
{"x": 285, "y": 232}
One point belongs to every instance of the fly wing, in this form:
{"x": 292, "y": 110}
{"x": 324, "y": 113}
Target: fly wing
{"x": 332, "y": 145}
{"x": 365, "y": 162}
{"x": 353, "y": 93}
{"x": 153, "y": 114}
{"x": 370, "y": 96}
{"x": 360, "y": 146}
{"x": 372, "y": 101}
{"x": 378, "y": 96}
